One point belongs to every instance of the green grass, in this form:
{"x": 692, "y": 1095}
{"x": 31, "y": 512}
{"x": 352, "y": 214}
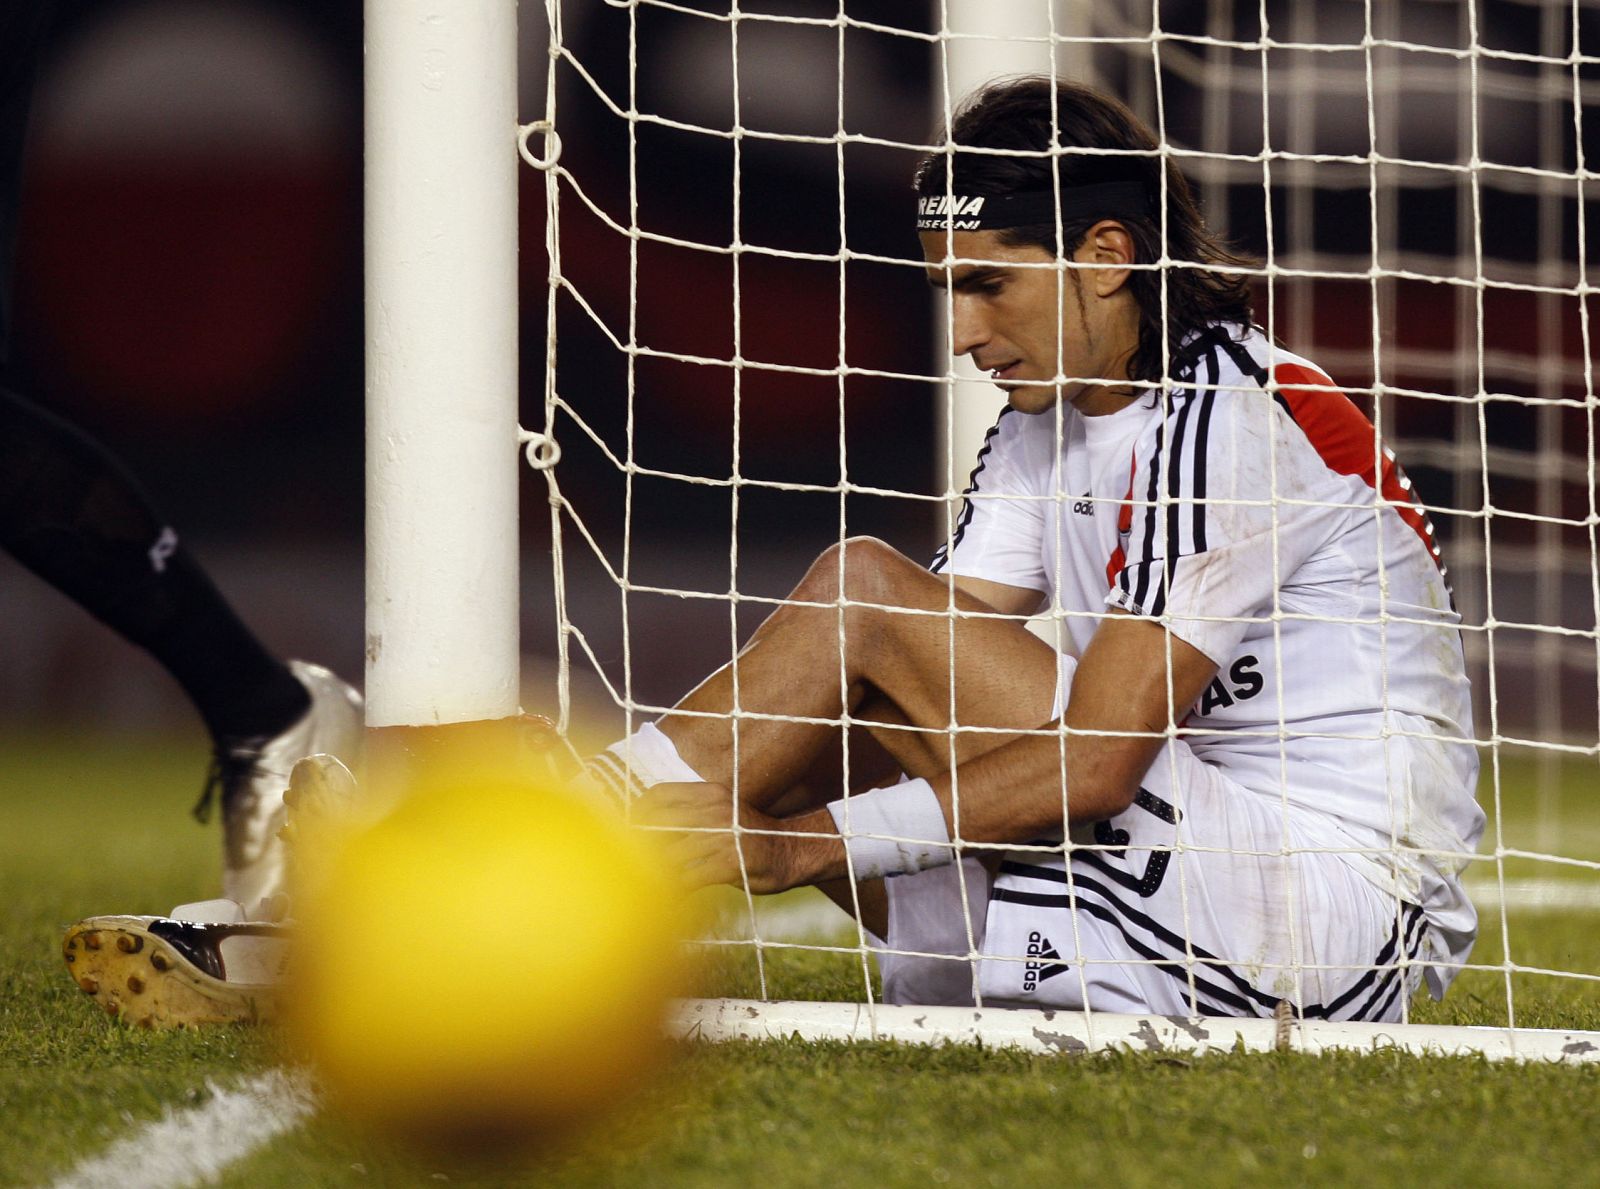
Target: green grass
{"x": 90, "y": 829}
{"x": 789, "y": 1114}
{"x": 98, "y": 825}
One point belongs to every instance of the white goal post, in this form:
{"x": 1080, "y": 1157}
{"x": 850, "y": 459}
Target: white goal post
{"x": 1353, "y": 149}
{"x": 442, "y": 632}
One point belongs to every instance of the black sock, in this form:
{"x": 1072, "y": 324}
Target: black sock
{"x": 72, "y": 515}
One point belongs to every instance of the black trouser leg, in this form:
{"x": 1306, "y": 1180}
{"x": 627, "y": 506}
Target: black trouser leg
{"x": 74, "y": 516}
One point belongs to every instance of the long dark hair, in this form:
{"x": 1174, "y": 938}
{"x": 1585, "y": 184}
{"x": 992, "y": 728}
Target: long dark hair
{"x": 1020, "y": 114}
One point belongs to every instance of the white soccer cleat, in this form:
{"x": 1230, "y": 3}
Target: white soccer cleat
{"x": 156, "y": 972}
{"x": 253, "y": 775}
{"x": 210, "y": 912}
{"x": 213, "y": 961}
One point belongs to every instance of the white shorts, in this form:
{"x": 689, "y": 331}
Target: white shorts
{"x": 1204, "y": 898}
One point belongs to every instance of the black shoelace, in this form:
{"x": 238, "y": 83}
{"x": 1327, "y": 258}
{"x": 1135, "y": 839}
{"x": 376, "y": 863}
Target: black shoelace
{"x": 232, "y": 762}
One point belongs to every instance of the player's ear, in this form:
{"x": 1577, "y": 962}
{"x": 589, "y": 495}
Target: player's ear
{"x": 1109, "y": 242}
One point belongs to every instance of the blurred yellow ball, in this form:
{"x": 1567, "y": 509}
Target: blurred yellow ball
{"x": 487, "y": 967}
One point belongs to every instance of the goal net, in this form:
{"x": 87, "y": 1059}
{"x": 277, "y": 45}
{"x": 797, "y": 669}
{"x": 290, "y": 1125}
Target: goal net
{"x": 744, "y": 365}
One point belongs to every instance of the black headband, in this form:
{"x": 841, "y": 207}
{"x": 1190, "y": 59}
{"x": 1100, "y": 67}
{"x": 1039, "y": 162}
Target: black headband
{"x": 1030, "y": 208}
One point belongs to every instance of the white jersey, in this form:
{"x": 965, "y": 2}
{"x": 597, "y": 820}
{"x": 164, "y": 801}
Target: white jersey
{"x": 1243, "y": 508}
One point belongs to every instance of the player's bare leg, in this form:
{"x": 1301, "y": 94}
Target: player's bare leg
{"x": 867, "y": 630}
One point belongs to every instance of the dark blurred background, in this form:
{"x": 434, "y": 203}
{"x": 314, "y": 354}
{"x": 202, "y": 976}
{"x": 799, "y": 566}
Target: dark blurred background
{"x": 190, "y": 290}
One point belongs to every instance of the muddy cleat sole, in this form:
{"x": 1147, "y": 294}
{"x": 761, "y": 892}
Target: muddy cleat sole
{"x": 155, "y": 972}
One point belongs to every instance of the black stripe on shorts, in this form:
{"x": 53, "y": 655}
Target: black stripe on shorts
{"x": 1384, "y": 975}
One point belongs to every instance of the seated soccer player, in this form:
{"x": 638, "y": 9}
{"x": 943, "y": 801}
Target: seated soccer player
{"x": 1259, "y": 728}
{"x": 1260, "y": 721}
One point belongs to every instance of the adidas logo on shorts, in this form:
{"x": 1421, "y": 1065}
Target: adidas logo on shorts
{"x": 1043, "y": 962}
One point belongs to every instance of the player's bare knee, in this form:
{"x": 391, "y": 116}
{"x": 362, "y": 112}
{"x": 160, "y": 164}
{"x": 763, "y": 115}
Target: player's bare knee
{"x": 857, "y": 570}
{"x": 879, "y": 575}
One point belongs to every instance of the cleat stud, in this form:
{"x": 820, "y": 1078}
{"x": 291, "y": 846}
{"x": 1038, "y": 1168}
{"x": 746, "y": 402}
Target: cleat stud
{"x": 71, "y": 957}
{"x": 113, "y": 1008}
{"x": 91, "y": 941}
{"x": 130, "y": 944}
{"x": 135, "y": 984}
{"x": 160, "y": 962}
{"x": 87, "y": 985}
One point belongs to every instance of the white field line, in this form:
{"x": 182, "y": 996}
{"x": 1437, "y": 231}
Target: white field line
{"x": 1535, "y": 895}
{"x": 195, "y": 1146}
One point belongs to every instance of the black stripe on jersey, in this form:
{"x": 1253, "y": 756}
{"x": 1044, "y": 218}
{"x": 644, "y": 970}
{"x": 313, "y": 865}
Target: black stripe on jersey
{"x": 941, "y": 556}
{"x": 1246, "y": 363}
{"x": 1148, "y": 559}
{"x": 1185, "y": 365}
{"x": 1167, "y": 457}
{"x": 1202, "y": 443}
{"x": 1126, "y": 878}
{"x": 1242, "y": 359}
{"x": 1174, "y": 549}
{"x": 1396, "y": 985}
{"x": 1388, "y": 1000}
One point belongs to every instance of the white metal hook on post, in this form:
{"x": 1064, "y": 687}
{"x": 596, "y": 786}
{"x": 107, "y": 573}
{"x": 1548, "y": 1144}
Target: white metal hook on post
{"x": 552, "y": 144}
{"x": 541, "y": 450}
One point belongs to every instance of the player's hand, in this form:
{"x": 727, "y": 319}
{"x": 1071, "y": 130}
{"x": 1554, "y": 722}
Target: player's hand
{"x": 697, "y": 821}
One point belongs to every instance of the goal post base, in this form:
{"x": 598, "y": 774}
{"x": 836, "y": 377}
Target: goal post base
{"x": 718, "y": 1020}
{"x": 398, "y": 758}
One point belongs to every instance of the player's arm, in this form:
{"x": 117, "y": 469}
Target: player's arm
{"x": 1134, "y": 682}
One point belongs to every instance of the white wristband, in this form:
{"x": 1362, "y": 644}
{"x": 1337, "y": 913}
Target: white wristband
{"x": 893, "y": 831}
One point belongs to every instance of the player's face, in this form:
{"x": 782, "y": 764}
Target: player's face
{"x": 1026, "y": 321}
